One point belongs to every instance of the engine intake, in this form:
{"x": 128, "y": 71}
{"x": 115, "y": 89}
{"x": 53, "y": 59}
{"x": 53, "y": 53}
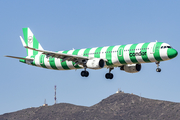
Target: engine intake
{"x": 133, "y": 68}
{"x": 95, "y": 63}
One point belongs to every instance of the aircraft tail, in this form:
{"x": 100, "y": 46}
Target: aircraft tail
{"x": 30, "y": 41}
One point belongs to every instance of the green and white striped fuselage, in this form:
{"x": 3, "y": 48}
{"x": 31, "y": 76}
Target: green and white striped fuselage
{"x": 116, "y": 56}
{"x": 128, "y": 57}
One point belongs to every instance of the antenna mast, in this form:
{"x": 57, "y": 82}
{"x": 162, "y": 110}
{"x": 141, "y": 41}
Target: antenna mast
{"x": 55, "y": 95}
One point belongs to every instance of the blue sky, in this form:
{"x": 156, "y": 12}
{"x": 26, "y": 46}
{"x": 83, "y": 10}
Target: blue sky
{"x": 64, "y": 25}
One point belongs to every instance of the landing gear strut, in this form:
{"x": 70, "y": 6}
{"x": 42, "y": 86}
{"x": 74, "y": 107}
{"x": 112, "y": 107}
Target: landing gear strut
{"x": 158, "y": 69}
{"x": 85, "y": 73}
{"x": 109, "y": 75}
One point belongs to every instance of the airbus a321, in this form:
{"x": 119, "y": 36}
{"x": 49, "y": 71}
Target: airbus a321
{"x": 127, "y": 57}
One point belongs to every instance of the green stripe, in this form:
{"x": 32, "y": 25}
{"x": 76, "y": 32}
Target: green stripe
{"x": 52, "y": 62}
{"x": 35, "y": 45}
{"x": 143, "y": 49}
{"x": 42, "y": 60}
{"x": 64, "y": 64}
{"x": 171, "y": 53}
{"x": 157, "y": 51}
{"x": 76, "y": 53}
{"x": 97, "y": 51}
{"x": 133, "y": 58}
{"x": 86, "y": 52}
{"x": 22, "y": 60}
{"x": 25, "y": 33}
{"x": 121, "y": 58}
{"x": 109, "y": 56}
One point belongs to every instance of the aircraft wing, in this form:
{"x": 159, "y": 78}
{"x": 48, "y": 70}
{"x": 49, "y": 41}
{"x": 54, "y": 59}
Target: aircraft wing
{"x": 63, "y": 56}
{"x": 56, "y": 54}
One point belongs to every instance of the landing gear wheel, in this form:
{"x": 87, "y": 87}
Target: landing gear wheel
{"x": 84, "y": 73}
{"x": 109, "y": 76}
{"x": 158, "y": 70}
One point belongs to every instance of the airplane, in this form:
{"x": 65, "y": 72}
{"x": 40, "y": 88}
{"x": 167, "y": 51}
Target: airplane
{"x": 127, "y": 57}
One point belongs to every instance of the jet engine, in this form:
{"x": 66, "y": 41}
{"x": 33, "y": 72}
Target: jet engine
{"x": 131, "y": 68}
{"x": 95, "y": 63}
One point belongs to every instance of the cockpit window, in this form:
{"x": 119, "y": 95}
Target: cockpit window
{"x": 169, "y": 46}
{"x": 165, "y": 47}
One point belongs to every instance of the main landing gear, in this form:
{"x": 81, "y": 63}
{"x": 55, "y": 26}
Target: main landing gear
{"x": 109, "y": 75}
{"x": 158, "y": 69}
{"x": 85, "y": 73}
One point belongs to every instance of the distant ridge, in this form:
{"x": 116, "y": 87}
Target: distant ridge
{"x": 119, "y": 106}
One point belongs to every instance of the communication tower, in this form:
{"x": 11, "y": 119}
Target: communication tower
{"x": 55, "y": 95}
{"x": 45, "y": 103}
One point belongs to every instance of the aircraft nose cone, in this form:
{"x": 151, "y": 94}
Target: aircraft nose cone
{"x": 172, "y": 53}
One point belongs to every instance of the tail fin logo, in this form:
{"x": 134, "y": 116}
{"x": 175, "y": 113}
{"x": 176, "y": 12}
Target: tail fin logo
{"x": 30, "y": 39}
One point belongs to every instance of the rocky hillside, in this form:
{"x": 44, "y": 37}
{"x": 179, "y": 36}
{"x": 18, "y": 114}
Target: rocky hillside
{"x": 120, "y": 106}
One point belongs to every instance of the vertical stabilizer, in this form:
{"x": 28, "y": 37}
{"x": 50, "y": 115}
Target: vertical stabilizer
{"x": 31, "y": 41}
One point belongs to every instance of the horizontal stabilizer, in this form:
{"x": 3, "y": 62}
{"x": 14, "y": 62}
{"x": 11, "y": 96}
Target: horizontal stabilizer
{"x": 19, "y": 57}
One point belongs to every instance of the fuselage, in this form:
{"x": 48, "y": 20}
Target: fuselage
{"x": 116, "y": 55}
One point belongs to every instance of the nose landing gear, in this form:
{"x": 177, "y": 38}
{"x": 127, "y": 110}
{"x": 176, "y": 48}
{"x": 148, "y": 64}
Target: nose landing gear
{"x": 158, "y": 69}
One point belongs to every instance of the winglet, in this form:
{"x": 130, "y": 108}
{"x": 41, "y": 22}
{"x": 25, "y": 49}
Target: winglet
{"x": 24, "y": 44}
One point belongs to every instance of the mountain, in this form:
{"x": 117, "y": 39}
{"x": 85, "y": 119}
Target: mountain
{"x": 119, "y": 106}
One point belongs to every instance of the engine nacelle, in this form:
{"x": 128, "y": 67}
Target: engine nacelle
{"x": 133, "y": 68}
{"x": 95, "y": 63}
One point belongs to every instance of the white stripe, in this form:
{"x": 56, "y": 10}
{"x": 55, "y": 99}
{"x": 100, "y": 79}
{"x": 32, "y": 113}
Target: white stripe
{"x": 37, "y": 60}
{"x": 58, "y": 62}
{"x": 70, "y": 63}
{"x": 126, "y": 54}
{"x": 163, "y": 52}
{"x": 150, "y": 53}
{"x": 138, "y": 49}
{"x": 30, "y": 42}
{"x": 92, "y": 51}
{"x": 40, "y": 47}
{"x": 103, "y": 50}
{"x": 37, "y": 57}
{"x": 114, "y": 59}
{"x": 103, "y": 53}
{"x": 81, "y": 52}
{"x": 46, "y": 62}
